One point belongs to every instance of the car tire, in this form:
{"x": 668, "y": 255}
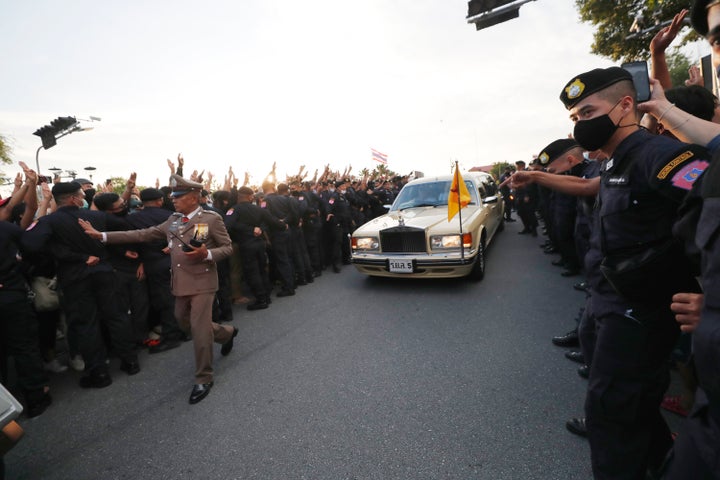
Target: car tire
{"x": 478, "y": 271}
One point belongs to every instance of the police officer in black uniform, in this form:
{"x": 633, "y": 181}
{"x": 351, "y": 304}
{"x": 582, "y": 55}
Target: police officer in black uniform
{"x": 87, "y": 282}
{"x": 247, "y": 224}
{"x": 155, "y": 256}
{"x": 640, "y": 188}
{"x": 280, "y": 207}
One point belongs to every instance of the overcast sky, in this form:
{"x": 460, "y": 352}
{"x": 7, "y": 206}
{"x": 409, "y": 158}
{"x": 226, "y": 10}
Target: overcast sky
{"x": 246, "y": 83}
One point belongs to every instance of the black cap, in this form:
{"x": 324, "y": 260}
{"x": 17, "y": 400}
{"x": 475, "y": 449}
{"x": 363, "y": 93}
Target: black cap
{"x": 83, "y": 181}
{"x": 698, "y": 16}
{"x": 149, "y": 194}
{"x": 555, "y": 149}
{"x": 591, "y": 82}
{"x": 245, "y": 191}
{"x": 63, "y": 188}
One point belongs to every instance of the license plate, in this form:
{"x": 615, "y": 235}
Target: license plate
{"x": 400, "y": 265}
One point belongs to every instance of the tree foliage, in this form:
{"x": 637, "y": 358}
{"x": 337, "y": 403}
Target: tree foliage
{"x": 5, "y": 151}
{"x": 498, "y": 168}
{"x": 678, "y": 64}
{"x": 612, "y": 20}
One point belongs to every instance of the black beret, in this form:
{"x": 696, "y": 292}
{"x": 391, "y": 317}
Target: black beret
{"x": 63, "y": 188}
{"x": 104, "y": 201}
{"x": 245, "y": 191}
{"x": 698, "y": 16}
{"x": 591, "y": 82}
{"x": 555, "y": 149}
{"x": 149, "y": 194}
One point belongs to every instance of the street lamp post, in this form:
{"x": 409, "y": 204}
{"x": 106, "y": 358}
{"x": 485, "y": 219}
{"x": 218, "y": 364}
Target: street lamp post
{"x": 58, "y": 128}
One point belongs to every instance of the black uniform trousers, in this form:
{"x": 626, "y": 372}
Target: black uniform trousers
{"x": 133, "y": 295}
{"x": 255, "y": 268}
{"x": 19, "y": 339}
{"x": 88, "y": 301}
{"x": 629, "y": 375}
{"x": 161, "y": 298}
{"x": 281, "y": 255}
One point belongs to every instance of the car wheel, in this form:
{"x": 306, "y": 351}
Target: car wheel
{"x": 478, "y": 271}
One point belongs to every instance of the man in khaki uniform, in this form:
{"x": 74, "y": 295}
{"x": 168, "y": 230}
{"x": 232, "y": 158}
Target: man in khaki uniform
{"x": 197, "y": 238}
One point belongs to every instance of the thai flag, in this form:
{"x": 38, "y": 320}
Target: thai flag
{"x": 379, "y": 157}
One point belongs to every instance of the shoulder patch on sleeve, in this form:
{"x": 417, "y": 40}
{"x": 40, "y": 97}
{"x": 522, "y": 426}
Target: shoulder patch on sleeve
{"x": 230, "y": 211}
{"x": 688, "y": 174}
{"x": 674, "y": 163}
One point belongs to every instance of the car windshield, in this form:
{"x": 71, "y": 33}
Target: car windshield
{"x": 428, "y": 194}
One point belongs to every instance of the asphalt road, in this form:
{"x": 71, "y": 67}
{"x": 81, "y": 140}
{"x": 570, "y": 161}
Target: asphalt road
{"x": 352, "y": 378}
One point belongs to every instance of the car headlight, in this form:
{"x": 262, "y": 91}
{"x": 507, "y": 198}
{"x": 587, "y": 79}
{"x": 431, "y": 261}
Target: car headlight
{"x": 440, "y": 242}
{"x": 365, "y": 243}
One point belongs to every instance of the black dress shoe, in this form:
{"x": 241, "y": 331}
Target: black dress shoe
{"x": 95, "y": 380}
{"x": 336, "y": 269}
{"x": 584, "y": 371}
{"x": 164, "y": 346}
{"x": 550, "y": 250}
{"x": 510, "y": 220}
{"x": 570, "y": 339}
{"x": 533, "y": 232}
{"x": 581, "y": 287}
{"x": 570, "y": 273}
{"x": 257, "y": 305}
{"x": 131, "y": 367}
{"x": 523, "y": 232}
{"x": 575, "y": 356}
{"x": 286, "y": 292}
{"x": 227, "y": 346}
{"x": 37, "y": 403}
{"x": 558, "y": 263}
{"x": 577, "y": 426}
{"x": 199, "y": 392}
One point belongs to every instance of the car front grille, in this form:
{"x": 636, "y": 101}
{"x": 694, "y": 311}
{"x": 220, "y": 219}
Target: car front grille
{"x": 402, "y": 240}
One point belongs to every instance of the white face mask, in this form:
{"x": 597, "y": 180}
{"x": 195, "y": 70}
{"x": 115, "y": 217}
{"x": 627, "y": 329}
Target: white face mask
{"x": 331, "y": 190}
{"x": 586, "y": 155}
{"x": 343, "y": 191}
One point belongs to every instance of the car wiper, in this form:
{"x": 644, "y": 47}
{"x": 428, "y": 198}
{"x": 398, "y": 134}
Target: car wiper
{"x": 421, "y": 205}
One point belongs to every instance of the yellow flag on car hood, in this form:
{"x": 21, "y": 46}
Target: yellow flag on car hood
{"x": 459, "y": 196}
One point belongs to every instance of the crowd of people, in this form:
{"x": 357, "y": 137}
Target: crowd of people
{"x": 629, "y": 201}
{"x": 117, "y": 272}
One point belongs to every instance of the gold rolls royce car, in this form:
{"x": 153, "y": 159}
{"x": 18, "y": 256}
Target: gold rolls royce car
{"x": 415, "y": 240}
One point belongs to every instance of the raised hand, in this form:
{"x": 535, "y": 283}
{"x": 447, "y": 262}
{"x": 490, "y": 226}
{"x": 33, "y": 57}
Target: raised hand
{"x": 172, "y": 166}
{"x": 662, "y": 40}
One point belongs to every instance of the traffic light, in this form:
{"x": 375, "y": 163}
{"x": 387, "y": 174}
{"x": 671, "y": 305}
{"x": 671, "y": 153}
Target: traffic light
{"x": 486, "y": 13}
{"x": 47, "y": 135}
{"x": 63, "y": 123}
{"x": 476, "y": 7}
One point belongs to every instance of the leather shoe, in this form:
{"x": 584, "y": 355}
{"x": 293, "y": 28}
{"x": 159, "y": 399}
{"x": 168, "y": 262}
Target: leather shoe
{"x": 131, "y": 368}
{"x": 570, "y": 273}
{"x": 557, "y": 263}
{"x": 523, "y": 232}
{"x": 577, "y": 426}
{"x": 550, "y": 250}
{"x": 95, "y": 380}
{"x": 258, "y": 305}
{"x": 581, "y": 287}
{"x": 584, "y": 371}
{"x": 575, "y": 356}
{"x": 286, "y": 293}
{"x": 164, "y": 346}
{"x": 199, "y": 392}
{"x": 570, "y": 339}
{"x": 227, "y": 346}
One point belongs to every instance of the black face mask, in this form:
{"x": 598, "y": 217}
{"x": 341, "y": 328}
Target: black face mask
{"x": 594, "y": 133}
